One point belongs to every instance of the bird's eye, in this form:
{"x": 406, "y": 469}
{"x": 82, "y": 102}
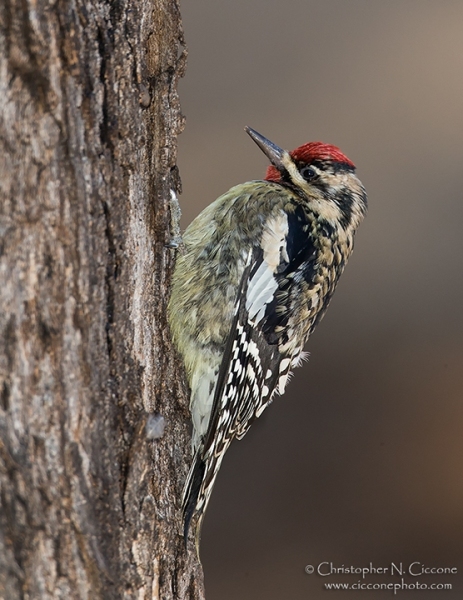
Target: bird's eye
{"x": 308, "y": 173}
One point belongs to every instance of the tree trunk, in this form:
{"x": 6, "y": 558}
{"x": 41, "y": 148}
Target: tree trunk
{"x": 90, "y": 486}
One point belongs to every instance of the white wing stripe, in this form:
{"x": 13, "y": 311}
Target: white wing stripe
{"x": 263, "y": 284}
{"x": 260, "y": 290}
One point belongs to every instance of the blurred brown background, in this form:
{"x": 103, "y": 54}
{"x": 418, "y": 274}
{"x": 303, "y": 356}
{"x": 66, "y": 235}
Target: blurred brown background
{"x": 361, "y": 460}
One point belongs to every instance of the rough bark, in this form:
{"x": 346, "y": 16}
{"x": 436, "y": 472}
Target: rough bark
{"x": 89, "y": 113}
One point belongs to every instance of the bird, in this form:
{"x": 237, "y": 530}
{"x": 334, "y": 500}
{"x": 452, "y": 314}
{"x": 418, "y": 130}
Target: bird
{"x": 255, "y": 276}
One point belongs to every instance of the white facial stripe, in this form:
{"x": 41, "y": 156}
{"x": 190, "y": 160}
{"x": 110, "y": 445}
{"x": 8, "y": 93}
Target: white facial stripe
{"x": 327, "y": 209}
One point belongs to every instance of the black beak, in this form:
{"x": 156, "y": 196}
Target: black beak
{"x": 271, "y": 150}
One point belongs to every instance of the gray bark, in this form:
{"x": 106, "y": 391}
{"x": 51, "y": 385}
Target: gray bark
{"x": 89, "y": 499}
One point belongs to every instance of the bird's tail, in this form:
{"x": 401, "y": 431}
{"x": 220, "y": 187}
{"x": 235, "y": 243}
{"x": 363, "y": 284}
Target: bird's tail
{"x": 191, "y": 493}
{"x": 197, "y": 492}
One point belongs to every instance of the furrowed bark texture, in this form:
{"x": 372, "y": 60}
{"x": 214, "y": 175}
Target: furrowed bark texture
{"x": 89, "y": 501}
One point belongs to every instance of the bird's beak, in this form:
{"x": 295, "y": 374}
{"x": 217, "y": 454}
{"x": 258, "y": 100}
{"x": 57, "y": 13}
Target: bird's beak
{"x": 271, "y": 150}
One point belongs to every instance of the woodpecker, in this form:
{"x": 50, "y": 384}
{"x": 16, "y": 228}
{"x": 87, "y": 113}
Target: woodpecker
{"x": 259, "y": 268}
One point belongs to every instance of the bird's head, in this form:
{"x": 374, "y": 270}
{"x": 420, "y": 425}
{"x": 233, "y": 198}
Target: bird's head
{"x": 322, "y": 175}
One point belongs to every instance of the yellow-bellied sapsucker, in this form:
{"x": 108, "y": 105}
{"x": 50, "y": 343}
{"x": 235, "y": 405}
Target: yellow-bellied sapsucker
{"x": 259, "y": 267}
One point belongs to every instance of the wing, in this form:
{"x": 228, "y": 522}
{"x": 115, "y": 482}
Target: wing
{"x": 257, "y": 357}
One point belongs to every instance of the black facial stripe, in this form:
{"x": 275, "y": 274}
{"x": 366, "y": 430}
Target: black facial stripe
{"x": 333, "y": 167}
{"x": 344, "y": 200}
